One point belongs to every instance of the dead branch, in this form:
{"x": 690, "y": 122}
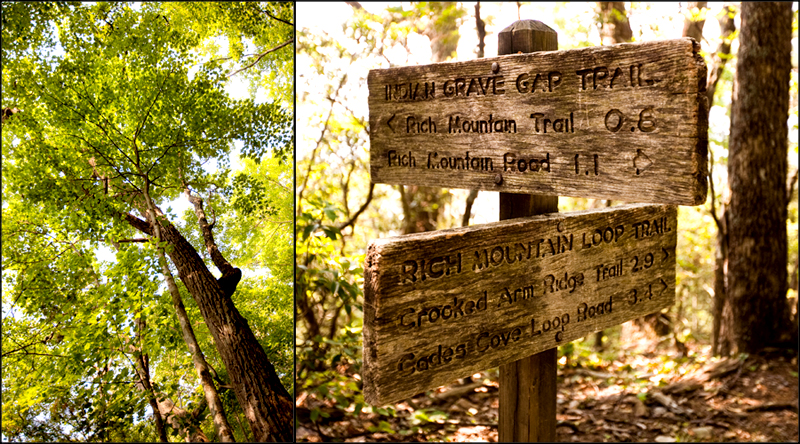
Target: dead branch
{"x": 211, "y": 245}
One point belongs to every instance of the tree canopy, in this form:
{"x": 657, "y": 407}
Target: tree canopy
{"x": 111, "y": 112}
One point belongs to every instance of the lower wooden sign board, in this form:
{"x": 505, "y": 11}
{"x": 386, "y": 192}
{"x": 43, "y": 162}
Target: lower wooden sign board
{"x": 446, "y": 304}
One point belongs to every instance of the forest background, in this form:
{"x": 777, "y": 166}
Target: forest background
{"x": 145, "y": 144}
{"x": 635, "y": 365}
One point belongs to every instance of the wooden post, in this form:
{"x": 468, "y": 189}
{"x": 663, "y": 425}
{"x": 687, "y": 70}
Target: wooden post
{"x": 528, "y": 386}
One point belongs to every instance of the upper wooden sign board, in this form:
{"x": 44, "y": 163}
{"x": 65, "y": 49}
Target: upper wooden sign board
{"x": 625, "y": 122}
{"x": 446, "y": 304}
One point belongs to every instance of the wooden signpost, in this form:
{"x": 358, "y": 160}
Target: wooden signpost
{"x": 625, "y": 122}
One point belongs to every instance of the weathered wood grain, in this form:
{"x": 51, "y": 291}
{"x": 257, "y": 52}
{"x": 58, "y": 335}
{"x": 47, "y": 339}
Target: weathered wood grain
{"x": 490, "y": 294}
{"x": 639, "y": 136}
{"x": 528, "y": 386}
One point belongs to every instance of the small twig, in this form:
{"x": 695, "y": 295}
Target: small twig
{"x": 279, "y": 19}
{"x": 360, "y": 210}
{"x": 459, "y": 391}
{"x": 314, "y": 152}
{"x": 322, "y": 435}
{"x": 772, "y": 406}
{"x": 619, "y": 399}
{"x": 727, "y": 386}
{"x": 260, "y": 56}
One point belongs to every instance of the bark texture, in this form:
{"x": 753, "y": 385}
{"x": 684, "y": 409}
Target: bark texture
{"x": 614, "y": 24}
{"x": 221, "y": 425}
{"x": 265, "y": 402}
{"x": 756, "y": 216}
{"x": 694, "y": 27}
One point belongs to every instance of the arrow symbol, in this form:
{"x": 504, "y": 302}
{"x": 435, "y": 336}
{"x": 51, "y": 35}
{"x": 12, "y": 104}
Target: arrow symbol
{"x": 665, "y": 286}
{"x": 641, "y": 162}
{"x": 389, "y": 123}
{"x": 666, "y": 254}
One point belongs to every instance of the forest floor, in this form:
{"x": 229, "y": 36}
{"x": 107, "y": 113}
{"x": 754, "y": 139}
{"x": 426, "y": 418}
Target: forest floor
{"x": 645, "y": 389}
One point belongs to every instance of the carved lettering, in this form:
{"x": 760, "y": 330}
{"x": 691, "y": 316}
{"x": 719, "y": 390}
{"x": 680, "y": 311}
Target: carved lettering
{"x": 434, "y": 268}
{"x": 565, "y": 125}
{"x": 458, "y": 125}
{"x": 406, "y": 365}
{"x": 511, "y": 163}
{"x": 648, "y": 228}
{"x": 600, "y": 73}
{"x": 544, "y": 82}
{"x": 586, "y": 311}
{"x": 403, "y": 160}
{"x": 603, "y": 235}
{"x": 459, "y": 163}
{"x": 405, "y": 92}
{"x": 554, "y": 284}
{"x": 414, "y": 126}
{"x": 485, "y": 340}
{"x": 558, "y": 322}
{"x": 477, "y": 86}
{"x": 606, "y": 271}
{"x": 529, "y": 296}
{"x": 522, "y": 293}
{"x": 413, "y": 318}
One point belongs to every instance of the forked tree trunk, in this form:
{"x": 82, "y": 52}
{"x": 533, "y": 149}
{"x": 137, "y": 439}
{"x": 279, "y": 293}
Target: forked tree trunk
{"x": 265, "y": 402}
{"x": 694, "y": 28}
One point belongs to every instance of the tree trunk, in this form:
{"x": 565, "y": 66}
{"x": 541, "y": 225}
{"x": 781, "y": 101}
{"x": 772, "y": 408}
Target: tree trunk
{"x": 719, "y": 346}
{"x": 421, "y": 208}
{"x": 480, "y": 26}
{"x": 691, "y": 27}
{"x": 614, "y": 25}
{"x": 265, "y": 402}
{"x": 143, "y": 372}
{"x": 221, "y": 425}
{"x": 757, "y": 162}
